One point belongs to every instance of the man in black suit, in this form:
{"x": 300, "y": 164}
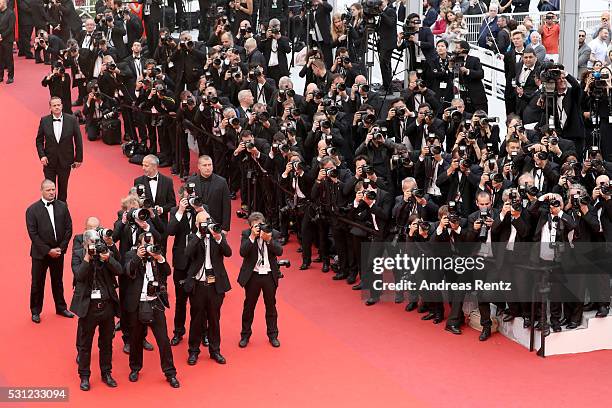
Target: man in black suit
{"x": 420, "y": 45}
{"x": 525, "y": 85}
{"x": 159, "y": 189}
{"x": 567, "y": 112}
{"x": 259, "y": 273}
{"x": 511, "y": 59}
{"x": 425, "y": 126}
{"x": 50, "y": 228}
{"x": 7, "y": 37}
{"x": 26, "y": 25}
{"x": 207, "y": 281}
{"x": 214, "y": 192}
{"x": 275, "y": 48}
{"x": 320, "y": 25}
{"x": 84, "y": 38}
{"x": 261, "y": 87}
{"x": 471, "y": 74}
{"x": 113, "y": 28}
{"x": 188, "y": 60}
{"x": 146, "y": 300}
{"x": 387, "y": 42}
{"x": 96, "y": 304}
{"x": 151, "y": 15}
{"x": 59, "y": 145}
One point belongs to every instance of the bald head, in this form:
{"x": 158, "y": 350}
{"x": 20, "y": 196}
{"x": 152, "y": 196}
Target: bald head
{"x": 47, "y": 188}
{"x": 91, "y": 223}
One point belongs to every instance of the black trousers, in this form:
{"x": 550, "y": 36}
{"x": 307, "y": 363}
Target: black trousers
{"x": 256, "y": 285}
{"x": 160, "y": 331}
{"x": 204, "y": 29}
{"x": 355, "y": 259}
{"x": 312, "y": 231}
{"x": 6, "y": 59}
{"x": 206, "y": 306}
{"x": 181, "y": 158}
{"x": 384, "y": 57}
{"x": 326, "y": 50}
{"x": 25, "y": 36}
{"x": 343, "y": 246}
{"x": 180, "y": 304}
{"x": 60, "y": 176}
{"x": 100, "y": 315}
{"x": 92, "y": 127}
{"x": 124, "y": 315}
{"x": 152, "y": 27}
{"x": 39, "y": 276}
{"x": 275, "y": 73}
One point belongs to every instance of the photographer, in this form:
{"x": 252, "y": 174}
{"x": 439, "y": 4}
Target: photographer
{"x": 454, "y": 118}
{"x": 152, "y": 18}
{"x": 417, "y": 95}
{"x": 96, "y": 304}
{"x": 441, "y": 75}
{"x": 181, "y": 225}
{"x": 207, "y": 281}
{"x": 261, "y": 87}
{"x": 596, "y": 107}
{"x": 602, "y": 207}
{"x": 459, "y": 183}
{"x": 511, "y": 59}
{"x": 47, "y": 48}
{"x": 259, "y": 273}
{"x": 386, "y": 42}
{"x": 145, "y": 301}
{"x": 425, "y": 126}
{"x": 114, "y": 32}
{"x": 420, "y": 43}
{"x": 470, "y": 74}
{"x": 250, "y": 156}
{"x": 161, "y": 124}
{"x": 132, "y": 222}
{"x": 98, "y": 108}
{"x": 432, "y": 161}
{"x": 378, "y": 149}
{"x": 489, "y": 29}
{"x": 297, "y": 181}
{"x": 524, "y": 83}
{"x": 356, "y": 30}
{"x": 78, "y": 64}
{"x": 320, "y": 25}
{"x": 58, "y": 82}
{"x": 188, "y": 60}
{"x": 275, "y": 48}
{"x": 186, "y": 111}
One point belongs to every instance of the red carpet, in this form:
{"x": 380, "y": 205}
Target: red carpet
{"x": 335, "y": 351}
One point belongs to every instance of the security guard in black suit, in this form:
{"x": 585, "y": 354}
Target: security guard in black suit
{"x": 259, "y": 273}
{"x": 207, "y": 282}
{"x": 96, "y": 304}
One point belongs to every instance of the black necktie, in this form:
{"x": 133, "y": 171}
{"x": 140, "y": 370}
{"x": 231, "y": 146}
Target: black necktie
{"x": 152, "y": 178}
{"x": 57, "y": 120}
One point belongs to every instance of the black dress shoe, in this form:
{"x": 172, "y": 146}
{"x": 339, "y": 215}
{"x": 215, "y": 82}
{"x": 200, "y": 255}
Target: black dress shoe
{"x": 10, "y": 81}
{"x": 602, "y": 311}
{"x": 126, "y": 348}
{"x": 351, "y": 280}
{"x": 429, "y": 316}
{"x": 243, "y": 342}
{"x": 275, "y": 343}
{"x": 66, "y": 313}
{"x": 485, "y": 334}
{"x": 193, "y": 358}
{"x": 556, "y": 327}
{"x": 563, "y": 322}
{"x": 176, "y": 339}
{"x": 526, "y": 322}
{"x": 589, "y": 307}
{"x": 339, "y": 276}
{"x": 438, "y": 319}
{"x": 218, "y": 358}
{"x": 84, "y": 384}
{"x": 453, "y": 329}
{"x": 411, "y": 306}
{"x": 304, "y": 266}
{"x": 422, "y": 309}
{"x": 147, "y": 346}
{"x": 173, "y": 382}
{"x": 358, "y": 286}
{"x": 109, "y": 380}
{"x": 205, "y": 342}
{"x": 399, "y": 297}
{"x": 325, "y": 267}
{"x": 572, "y": 325}
{"x": 508, "y": 318}
{"x": 318, "y": 259}
{"x": 36, "y": 318}
{"x": 133, "y": 377}
{"x": 371, "y": 301}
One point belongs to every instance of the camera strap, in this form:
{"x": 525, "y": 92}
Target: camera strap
{"x": 261, "y": 250}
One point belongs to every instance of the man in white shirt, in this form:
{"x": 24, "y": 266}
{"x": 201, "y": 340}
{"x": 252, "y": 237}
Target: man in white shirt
{"x": 599, "y": 47}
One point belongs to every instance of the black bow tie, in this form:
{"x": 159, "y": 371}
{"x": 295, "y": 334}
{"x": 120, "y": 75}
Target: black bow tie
{"x": 137, "y": 58}
{"x": 526, "y": 69}
{"x": 57, "y": 120}
{"x": 152, "y": 178}
{"x": 561, "y": 94}
{"x": 50, "y": 203}
{"x": 518, "y": 53}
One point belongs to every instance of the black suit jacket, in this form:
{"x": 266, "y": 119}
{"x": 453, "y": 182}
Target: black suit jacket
{"x": 322, "y": 17}
{"x": 265, "y": 46}
{"x": 217, "y": 199}
{"x": 473, "y": 81}
{"x": 122, "y": 233}
{"x": 195, "y": 253}
{"x": 180, "y": 230}
{"x": 387, "y": 30}
{"x": 84, "y": 284}
{"x": 70, "y": 147}
{"x": 40, "y": 228}
{"x": 135, "y": 269}
{"x": 164, "y": 197}
{"x": 249, "y": 253}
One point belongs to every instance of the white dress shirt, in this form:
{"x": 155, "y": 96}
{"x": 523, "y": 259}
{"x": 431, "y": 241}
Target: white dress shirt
{"x": 51, "y": 212}
{"x": 153, "y": 186}
{"x": 549, "y": 234}
{"x": 148, "y": 277}
{"x": 262, "y": 266}
{"x": 273, "y": 54}
{"x": 201, "y": 276}
{"x": 57, "y": 127}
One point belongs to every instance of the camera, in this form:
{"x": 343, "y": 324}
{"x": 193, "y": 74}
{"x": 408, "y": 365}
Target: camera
{"x": 153, "y": 249}
{"x": 369, "y": 118}
{"x": 578, "y": 200}
{"x": 254, "y": 74}
{"x": 331, "y": 173}
{"x": 332, "y": 110}
{"x": 370, "y": 195}
{"x": 142, "y": 196}
{"x": 249, "y": 145}
{"x": 286, "y": 93}
{"x": 235, "y": 122}
{"x": 205, "y": 226}
{"x": 195, "y": 201}
{"x": 97, "y": 248}
{"x": 105, "y": 233}
{"x": 341, "y": 86}
{"x": 263, "y": 227}
{"x": 605, "y": 188}
{"x": 401, "y": 160}
{"x": 363, "y": 88}
{"x": 366, "y": 170}
{"x": 111, "y": 66}
{"x": 262, "y": 116}
{"x": 137, "y": 214}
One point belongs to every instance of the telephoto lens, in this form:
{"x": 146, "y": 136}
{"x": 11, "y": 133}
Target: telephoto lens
{"x": 265, "y": 227}
{"x": 371, "y": 195}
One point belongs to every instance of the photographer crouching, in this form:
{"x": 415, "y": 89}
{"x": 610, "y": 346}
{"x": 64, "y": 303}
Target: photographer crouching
{"x": 146, "y": 299}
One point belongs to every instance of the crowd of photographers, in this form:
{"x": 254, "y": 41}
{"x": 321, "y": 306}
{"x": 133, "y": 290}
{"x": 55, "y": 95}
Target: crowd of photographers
{"x": 341, "y": 164}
